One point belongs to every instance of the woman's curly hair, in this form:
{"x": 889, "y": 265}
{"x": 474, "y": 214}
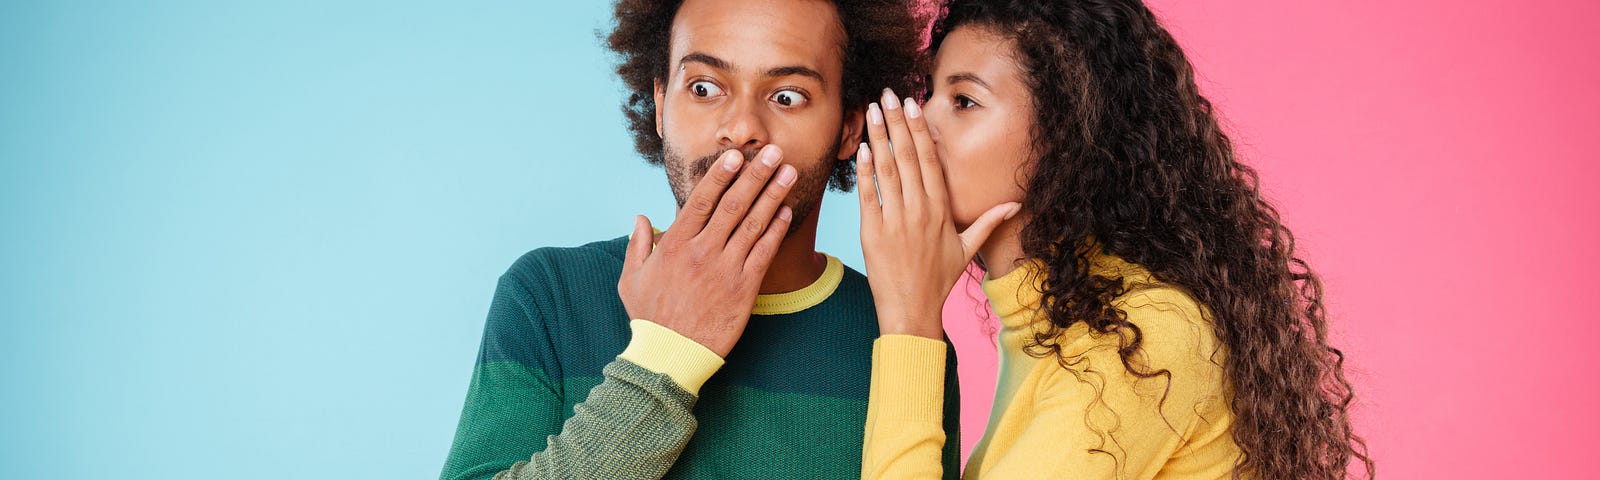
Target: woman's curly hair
{"x": 1129, "y": 158}
{"x": 883, "y": 49}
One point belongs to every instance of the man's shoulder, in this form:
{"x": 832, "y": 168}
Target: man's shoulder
{"x": 600, "y": 259}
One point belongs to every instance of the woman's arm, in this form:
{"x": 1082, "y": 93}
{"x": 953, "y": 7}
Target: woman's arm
{"x": 914, "y": 255}
{"x": 905, "y": 432}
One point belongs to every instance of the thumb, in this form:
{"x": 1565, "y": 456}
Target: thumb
{"x": 979, "y": 231}
{"x": 640, "y": 244}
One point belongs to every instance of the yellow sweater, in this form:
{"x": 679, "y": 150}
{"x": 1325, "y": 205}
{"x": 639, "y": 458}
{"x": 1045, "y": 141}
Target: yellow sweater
{"x": 1048, "y": 419}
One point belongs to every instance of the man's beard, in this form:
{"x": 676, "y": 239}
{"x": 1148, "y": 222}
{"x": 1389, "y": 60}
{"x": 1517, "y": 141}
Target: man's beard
{"x": 804, "y": 197}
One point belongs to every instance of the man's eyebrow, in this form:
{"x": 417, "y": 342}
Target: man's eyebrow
{"x": 796, "y": 70}
{"x": 967, "y": 77}
{"x": 784, "y": 71}
{"x": 710, "y": 61}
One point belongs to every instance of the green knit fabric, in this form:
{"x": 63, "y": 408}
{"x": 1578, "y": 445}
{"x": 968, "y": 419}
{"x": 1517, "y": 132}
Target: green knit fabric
{"x": 790, "y": 402}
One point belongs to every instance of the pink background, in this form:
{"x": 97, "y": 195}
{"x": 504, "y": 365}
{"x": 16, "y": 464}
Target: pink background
{"x": 1436, "y": 160}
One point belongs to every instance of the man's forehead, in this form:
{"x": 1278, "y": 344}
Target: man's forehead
{"x": 758, "y": 35}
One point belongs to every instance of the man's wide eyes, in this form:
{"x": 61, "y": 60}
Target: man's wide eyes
{"x": 704, "y": 89}
{"x": 789, "y": 98}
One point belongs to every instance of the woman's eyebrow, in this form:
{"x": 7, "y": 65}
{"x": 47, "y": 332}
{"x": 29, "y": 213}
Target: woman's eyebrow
{"x": 967, "y": 77}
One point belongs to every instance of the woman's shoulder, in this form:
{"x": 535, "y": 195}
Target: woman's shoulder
{"x": 1176, "y": 329}
{"x": 1149, "y": 302}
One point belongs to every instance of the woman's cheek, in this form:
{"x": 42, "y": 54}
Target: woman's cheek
{"x": 966, "y": 186}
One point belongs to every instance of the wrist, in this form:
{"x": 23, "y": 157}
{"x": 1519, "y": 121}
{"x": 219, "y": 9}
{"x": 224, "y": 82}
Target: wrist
{"x": 709, "y": 336}
{"x": 923, "y": 324}
{"x": 661, "y": 350}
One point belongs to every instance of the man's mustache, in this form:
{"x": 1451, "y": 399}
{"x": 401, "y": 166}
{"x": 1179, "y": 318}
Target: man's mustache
{"x": 699, "y": 166}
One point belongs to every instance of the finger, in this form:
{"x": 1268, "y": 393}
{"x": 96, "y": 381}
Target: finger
{"x": 884, "y": 170}
{"x": 761, "y": 214}
{"x": 975, "y": 234}
{"x": 927, "y": 158}
{"x": 640, "y": 244}
{"x": 905, "y": 152}
{"x": 697, "y": 210}
{"x": 736, "y": 201}
{"x": 866, "y": 185}
{"x": 761, "y": 254}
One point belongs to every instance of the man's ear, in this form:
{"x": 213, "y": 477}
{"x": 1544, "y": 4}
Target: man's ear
{"x": 850, "y": 136}
{"x": 660, "y": 95}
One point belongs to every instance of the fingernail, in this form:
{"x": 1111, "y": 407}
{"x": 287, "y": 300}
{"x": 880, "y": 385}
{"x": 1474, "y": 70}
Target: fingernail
{"x": 862, "y": 154}
{"x": 731, "y": 160}
{"x": 874, "y": 116}
{"x": 1015, "y": 208}
{"x": 912, "y": 110}
{"x": 769, "y": 155}
{"x": 889, "y": 102}
{"x": 786, "y": 175}
{"x": 784, "y": 213}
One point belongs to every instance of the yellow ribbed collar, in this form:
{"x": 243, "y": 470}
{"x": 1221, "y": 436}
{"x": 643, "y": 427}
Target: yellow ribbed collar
{"x": 1016, "y": 291}
{"x": 798, "y": 300}
{"x": 810, "y": 296}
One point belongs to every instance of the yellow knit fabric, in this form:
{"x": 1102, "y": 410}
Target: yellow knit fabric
{"x": 798, "y": 300}
{"x": 661, "y": 350}
{"x": 1088, "y": 418}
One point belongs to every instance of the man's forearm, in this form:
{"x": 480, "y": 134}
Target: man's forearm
{"x": 636, "y": 422}
{"x": 632, "y": 426}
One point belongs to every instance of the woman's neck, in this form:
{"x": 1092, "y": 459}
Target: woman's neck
{"x": 1002, "y": 252}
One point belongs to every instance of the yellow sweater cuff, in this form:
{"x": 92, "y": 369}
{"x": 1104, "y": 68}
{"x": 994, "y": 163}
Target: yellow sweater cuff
{"x": 661, "y": 350}
{"x": 908, "y": 378}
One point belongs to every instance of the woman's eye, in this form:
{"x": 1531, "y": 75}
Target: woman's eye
{"x": 963, "y": 103}
{"x": 704, "y": 89}
{"x": 789, "y": 98}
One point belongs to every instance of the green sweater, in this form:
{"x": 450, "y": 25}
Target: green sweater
{"x": 554, "y": 395}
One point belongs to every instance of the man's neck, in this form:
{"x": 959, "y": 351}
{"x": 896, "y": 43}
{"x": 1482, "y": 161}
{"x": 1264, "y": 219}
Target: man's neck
{"x": 797, "y": 264}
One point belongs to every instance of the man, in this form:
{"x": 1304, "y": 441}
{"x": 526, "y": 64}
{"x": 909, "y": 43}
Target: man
{"x": 726, "y": 347}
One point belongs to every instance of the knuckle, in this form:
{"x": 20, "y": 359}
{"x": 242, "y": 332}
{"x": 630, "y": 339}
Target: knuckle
{"x": 719, "y": 176}
{"x": 758, "y": 174}
{"x": 894, "y": 119}
{"x": 665, "y": 250}
{"x": 776, "y": 194}
{"x": 697, "y": 252}
{"x": 760, "y": 252}
{"x": 752, "y": 226}
{"x": 732, "y": 208}
{"x": 701, "y": 205}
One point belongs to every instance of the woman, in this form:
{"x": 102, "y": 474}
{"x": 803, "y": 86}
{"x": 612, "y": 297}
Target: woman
{"x": 1156, "y": 321}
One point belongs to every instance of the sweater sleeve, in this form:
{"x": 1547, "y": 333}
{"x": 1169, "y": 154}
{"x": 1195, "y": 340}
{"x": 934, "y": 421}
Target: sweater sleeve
{"x": 636, "y": 422}
{"x": 632, "y": 425}
{"x": 905, "y": 435}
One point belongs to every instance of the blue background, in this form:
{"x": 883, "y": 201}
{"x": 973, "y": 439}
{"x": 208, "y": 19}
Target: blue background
{"x": 258, "y": 239}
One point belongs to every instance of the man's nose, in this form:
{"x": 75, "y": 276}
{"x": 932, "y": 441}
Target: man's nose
{"x": 743, "y": 127}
